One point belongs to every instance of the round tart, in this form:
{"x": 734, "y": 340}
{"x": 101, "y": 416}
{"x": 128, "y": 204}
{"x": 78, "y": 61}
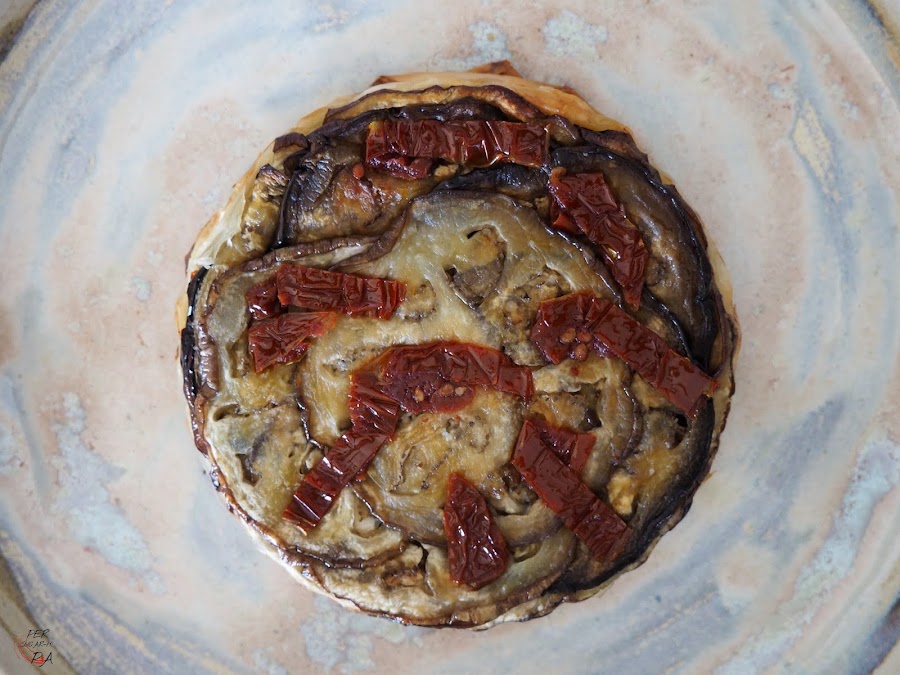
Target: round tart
{"x": 455, "y": 351}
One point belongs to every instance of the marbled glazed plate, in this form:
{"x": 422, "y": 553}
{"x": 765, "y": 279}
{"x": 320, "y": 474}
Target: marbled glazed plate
{"x": 122, "y": 128}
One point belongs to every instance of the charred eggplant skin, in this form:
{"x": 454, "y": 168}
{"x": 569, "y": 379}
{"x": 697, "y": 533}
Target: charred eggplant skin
{"x": 188, "y": 337}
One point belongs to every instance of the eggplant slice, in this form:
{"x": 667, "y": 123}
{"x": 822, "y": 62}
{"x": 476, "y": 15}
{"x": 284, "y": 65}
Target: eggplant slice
{"x": 477, "y": 256}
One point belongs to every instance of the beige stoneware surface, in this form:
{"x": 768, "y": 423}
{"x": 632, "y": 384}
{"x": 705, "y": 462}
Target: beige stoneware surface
{"x": 122, "y": 129}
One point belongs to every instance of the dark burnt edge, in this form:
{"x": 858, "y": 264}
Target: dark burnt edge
{"x": 617, "y": 142}
{"x": 188, "y": 372}
{"x": 281, "y": 235}
{"x": 291, "y": 139}
{"x": 449, "y": 620}
{"x": 693, "y": 476}
{"x": 466, "y": 108}
{"x": 699, "y": 346}
{"x": 188, "y": 338}
{"x": 637, "y": 427}
{"x": 191, "y": 383}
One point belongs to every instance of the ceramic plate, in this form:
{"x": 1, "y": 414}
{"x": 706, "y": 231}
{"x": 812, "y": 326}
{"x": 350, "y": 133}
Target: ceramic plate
{"x": 122, "y": 129}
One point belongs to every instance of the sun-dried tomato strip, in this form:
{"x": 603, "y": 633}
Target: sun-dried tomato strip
{"x": 322, "y": 485}
{"x": 370, "y": 406}
{"x": 415, "y": 378}
{"x": 285, "y": 338}
{"x": 676, "y": 377}
{"x": 564, "y": 327}
{"x": 314, "y": 288}
{"x": 567, "y": 327}
{"x": 374, "y": 417}
{"x": 572, "y": 447}
{"x": 460, "y": 363}
{"x": 476, "y": 550}
{"x": 262, "y": 300}
{"x": 584, "y": 202}
{"x": 560, "y": 488}
{"x": 406, "y": 148}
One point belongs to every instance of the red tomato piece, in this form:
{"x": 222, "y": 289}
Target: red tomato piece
{"x": 285, "y": 338}
{"x": 578, "y": 321}
{"x": 591, "y": 519}
{"x": 374, "y": 416}
{"x": 408, "y": 148}
{"x": 460, "y": 363}
{"x": 564, "y": 323}
{"x": 314, "y": 288}
{"x": 585, "y": 201}
{"x": 476, "y": 550}
{"x": 262, "y": 300}
{"x": 321, "y": 486}
{"x": 682, "y": 382}
{"x": 572, "y": 447}
{"x": 429, "y": 393}
{"x": 675, "y": 376}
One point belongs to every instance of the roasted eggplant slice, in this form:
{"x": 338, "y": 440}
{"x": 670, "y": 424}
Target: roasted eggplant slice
{"x": 497, "y": 353}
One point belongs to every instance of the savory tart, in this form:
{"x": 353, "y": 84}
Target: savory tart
{"x": 455, "y": 351}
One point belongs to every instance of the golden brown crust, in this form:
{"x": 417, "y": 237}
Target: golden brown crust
{"x": 497, "y": 68}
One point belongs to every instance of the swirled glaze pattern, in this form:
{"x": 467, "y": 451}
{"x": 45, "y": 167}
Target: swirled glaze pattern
{"x": 122, "y": 126}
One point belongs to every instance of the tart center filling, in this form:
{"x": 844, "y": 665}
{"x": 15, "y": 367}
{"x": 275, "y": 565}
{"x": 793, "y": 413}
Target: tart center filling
{"x": 451, "y": 251}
